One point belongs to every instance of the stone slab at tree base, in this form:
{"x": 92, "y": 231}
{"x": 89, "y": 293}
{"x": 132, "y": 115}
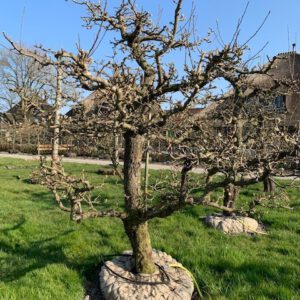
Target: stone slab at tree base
{"x": 179, "y": 286}
{"x": 234, "y": 224}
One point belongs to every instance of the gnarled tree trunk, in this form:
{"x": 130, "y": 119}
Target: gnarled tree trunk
{"x": 141, "y": 246}
{"x": 231, "y": 193}
{"x": 269, "y": 184}
{"x": 136, "y": 229}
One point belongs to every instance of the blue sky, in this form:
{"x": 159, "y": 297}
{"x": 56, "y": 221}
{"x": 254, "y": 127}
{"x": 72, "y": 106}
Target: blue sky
{"x": 57, "y": 24}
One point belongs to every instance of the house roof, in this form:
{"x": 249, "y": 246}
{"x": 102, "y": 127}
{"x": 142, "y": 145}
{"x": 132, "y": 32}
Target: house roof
{"x": 34, "y": 114}
{"x": 286, "y": 66}
{"x": 91, "y": 104}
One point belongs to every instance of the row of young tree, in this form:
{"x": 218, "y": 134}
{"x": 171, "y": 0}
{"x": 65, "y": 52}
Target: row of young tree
{"x": 147, "y": 96}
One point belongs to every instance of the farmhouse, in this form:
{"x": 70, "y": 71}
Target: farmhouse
{"x": 286, "y": 67}
{"x": 23, "y": 127}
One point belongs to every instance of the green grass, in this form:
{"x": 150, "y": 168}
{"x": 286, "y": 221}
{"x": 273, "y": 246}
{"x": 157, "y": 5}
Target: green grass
{"x": 43, "y": 255}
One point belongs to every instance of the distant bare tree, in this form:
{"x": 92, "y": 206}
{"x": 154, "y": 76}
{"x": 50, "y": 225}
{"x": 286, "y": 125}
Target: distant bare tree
{"x": 22, "y": 81}
{"x": 34, "y": 81}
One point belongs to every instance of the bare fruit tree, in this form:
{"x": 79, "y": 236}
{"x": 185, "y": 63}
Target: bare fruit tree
{"x": 22, "y": 82}
{"x": 144, "y": 89}
{"x": 240, "y": 141}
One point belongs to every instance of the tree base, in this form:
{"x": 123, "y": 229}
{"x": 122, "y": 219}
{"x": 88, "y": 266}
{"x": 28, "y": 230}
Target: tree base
{"x": 118, "y": 282}
{"x": 234, "y": 224}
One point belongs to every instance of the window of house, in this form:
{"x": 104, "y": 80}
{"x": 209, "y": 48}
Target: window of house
{"x": 279, "y": 104}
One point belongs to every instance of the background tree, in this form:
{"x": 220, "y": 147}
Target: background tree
{"x": 22, "y": 82}
{"x": 23, "y": 94}
{"x": 34, "y": 84}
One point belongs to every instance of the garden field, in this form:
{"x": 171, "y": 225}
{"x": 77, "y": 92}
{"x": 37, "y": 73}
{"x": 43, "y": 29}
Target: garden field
{"x": 43, "y": 255}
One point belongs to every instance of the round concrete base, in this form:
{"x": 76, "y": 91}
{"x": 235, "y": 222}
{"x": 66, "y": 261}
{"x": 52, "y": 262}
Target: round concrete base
{"x": 234, "y": 224}
{"x": 168, "y": 283}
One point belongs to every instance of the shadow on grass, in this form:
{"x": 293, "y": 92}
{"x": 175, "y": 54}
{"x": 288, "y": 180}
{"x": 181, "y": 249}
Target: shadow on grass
{"x": 45, "y": 251}
{"x": 31, "y": 181}
{"x": 253, "y": 272}
{"x": 22, "y": 257}
{"x": 38, "y": 253}
{"x": 113, "y": 180}
{"x": 36, "y": 196}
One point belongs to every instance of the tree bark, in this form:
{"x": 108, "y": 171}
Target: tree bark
{"x": 56, "y": 130}
{"x": 231, "y": 193}
{"x": 146, "y": 173}
{"x": 137, "y": 230}
{"x": 269, "y": 185}
{"x": 14, "y": 138}
{"x": 140, "y": 241}
{"x": 115, "y": 150}
{"x": 116, "y": 160}
{"x": 132, "y": 165}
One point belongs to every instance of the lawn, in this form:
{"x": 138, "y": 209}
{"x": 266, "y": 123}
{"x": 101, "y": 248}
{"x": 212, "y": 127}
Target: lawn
{"x": 43, "y": 255}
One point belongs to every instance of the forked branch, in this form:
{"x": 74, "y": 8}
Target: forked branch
{"x": 73, "y": 194}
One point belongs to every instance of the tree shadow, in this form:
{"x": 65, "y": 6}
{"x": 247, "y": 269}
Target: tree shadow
{"x": 254, "y": 273}
{"x": 22, "y": 257}
{"x": 37, "y": 196}
{"x": 38, "y": 254}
